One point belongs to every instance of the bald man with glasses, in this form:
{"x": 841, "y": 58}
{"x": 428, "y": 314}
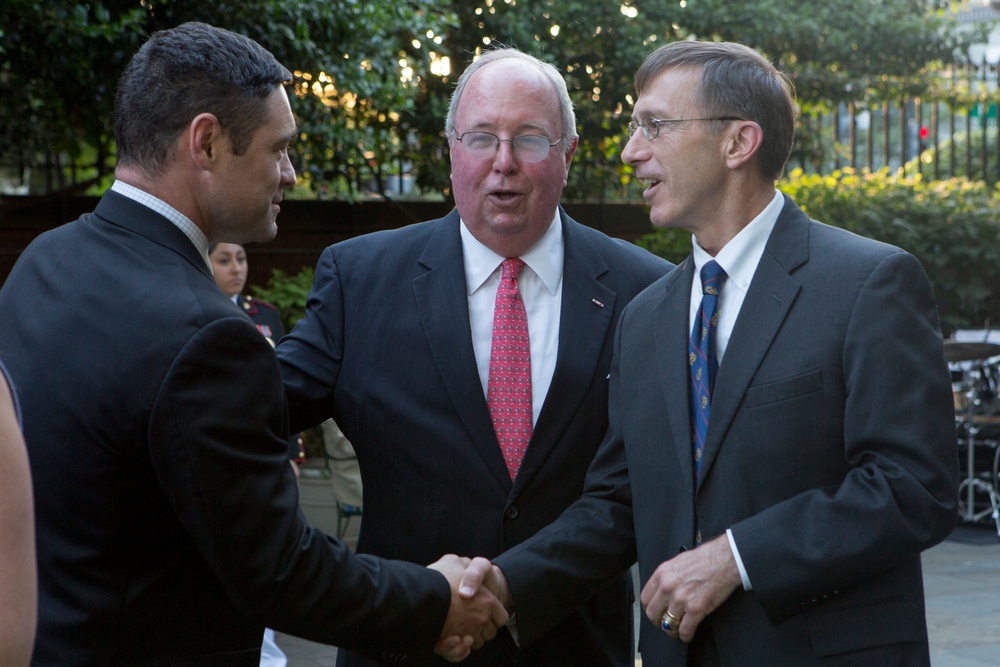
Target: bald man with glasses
{"x": 466, "y": 358}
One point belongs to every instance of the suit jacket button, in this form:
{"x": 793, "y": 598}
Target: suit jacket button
{"x": 512, "y": 512}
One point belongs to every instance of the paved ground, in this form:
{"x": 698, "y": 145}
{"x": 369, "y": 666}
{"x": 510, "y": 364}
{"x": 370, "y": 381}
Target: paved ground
{"x": 962, "y": 582}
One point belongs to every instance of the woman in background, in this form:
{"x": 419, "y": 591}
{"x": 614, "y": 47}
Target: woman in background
{"x": 229, "y": 262}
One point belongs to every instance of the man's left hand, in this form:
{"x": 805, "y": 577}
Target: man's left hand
{"x": 691, "y": 586}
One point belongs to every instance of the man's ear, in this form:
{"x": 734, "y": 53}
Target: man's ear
{"x": 743, "y": 140}
{"x": 205, "y": 140}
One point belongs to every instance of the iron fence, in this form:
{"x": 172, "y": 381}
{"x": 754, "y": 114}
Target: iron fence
{"x": 951, "y": 131}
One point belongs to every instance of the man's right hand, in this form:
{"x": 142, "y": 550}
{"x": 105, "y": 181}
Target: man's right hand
{"x": 473, "y": 617}
{"x": 481, "y": 572}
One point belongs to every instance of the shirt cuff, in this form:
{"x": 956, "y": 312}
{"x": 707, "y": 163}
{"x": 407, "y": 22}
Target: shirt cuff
{"x": 739, "y": 561}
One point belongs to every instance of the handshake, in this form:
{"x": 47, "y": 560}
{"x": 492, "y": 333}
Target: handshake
{"x": 480, "y": 605}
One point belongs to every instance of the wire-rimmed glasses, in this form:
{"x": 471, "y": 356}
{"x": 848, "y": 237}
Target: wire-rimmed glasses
{"x": 528, "y": 147}
{"x": 651, "y": 126}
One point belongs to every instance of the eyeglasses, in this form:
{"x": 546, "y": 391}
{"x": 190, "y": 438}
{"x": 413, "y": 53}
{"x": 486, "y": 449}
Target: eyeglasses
{"x": 651, "y": 128}
{"x": 528, "y": 147}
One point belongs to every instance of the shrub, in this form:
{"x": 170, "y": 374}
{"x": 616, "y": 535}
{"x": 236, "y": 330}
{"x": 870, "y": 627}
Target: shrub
{"x": 287, "y": 293}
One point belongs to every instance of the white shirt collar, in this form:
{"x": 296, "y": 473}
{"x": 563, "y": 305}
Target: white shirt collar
{"x": 545, "y": 258}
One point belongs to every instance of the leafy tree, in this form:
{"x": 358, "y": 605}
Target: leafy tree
{"x": 60, "y": 62}
{"x": 58, "y": 66}
{"x": 368, "y": 102}
{"x": 834, "y": 51}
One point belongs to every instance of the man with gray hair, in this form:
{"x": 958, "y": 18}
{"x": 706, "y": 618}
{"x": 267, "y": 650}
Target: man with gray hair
{"x": 466, "y": 358}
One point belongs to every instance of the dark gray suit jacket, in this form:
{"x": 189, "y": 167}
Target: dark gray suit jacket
{"x": 830, "y": 453}
{"x": 167, "y": 514}
{"x": 386, "y": 350}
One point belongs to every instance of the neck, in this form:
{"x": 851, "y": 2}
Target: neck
{"x": 735, "y": 212}
{"x": 169, "y": 187}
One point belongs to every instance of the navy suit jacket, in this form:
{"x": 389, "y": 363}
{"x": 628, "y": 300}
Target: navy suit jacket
{"x": 168, "y": 526}
{"x": 830, "y": 454}
{"x": 386, "y": 350}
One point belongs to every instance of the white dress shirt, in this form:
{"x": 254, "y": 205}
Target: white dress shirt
{"x": 739, "y": 259}
{"x": 181, "y": 221}
{"x": 540, "y": 284}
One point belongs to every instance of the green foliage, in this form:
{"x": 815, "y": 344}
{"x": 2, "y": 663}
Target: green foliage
{"x": 287, "y": 293}
{"x": 672, "y": 245}
{"x": 59, "y": 63}
{"x": 844, "y": 50}
{"x": 841, "y": 51}
{"x": 349, "y": 104}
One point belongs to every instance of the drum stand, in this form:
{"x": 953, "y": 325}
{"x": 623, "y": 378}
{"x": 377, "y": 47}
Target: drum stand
{"x": 972, "y": 483}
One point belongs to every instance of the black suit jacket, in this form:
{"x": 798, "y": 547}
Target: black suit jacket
{"x": 386, "y": 350}
{"x": 830, "y": 453}
{"x": 167, "y": 514}
{"x": 267, "y": 319}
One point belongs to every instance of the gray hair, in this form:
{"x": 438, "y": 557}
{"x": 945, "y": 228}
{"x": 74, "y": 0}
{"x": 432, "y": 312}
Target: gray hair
{"x": 551, "y": 73}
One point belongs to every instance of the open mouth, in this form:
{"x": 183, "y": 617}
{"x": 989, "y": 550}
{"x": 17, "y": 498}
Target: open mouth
{"x": 504, "y": 196}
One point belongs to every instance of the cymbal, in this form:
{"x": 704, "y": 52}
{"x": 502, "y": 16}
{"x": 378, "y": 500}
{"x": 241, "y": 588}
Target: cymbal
{"x": 962, "y": 351}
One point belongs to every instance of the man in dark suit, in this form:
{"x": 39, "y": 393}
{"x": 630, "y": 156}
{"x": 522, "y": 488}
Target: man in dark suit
{"x": 167, "y": 514}
{"x": 230, "y": 268}
{"x": 786, "y": 527}
{"x": 398, "y": 339}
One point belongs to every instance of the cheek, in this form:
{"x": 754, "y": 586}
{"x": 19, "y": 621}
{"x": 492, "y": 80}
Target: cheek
{"x": 466, "y": 179}
{"x": 549, "y": 180}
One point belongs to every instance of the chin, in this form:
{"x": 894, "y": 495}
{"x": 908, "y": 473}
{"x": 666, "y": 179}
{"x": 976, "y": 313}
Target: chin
{"x": 265, "y": 233}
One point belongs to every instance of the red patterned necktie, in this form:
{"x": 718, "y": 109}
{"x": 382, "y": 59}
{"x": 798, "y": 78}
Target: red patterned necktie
{"x": 508, "y": 392}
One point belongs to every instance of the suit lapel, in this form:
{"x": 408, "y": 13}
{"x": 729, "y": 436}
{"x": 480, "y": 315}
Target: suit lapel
{"x": 442, "y": 301}
{"x": 670, "y": 351}
{"x": 770, "y": 297}
{"x": 585, "y": 316}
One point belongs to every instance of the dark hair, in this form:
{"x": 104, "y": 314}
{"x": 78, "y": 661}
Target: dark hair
{"x": 213, "y": 246}
{"x": 182, "y": 72}
{"x": 736, "y": 81}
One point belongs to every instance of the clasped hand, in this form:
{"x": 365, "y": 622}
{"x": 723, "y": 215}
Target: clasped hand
{"x": 476, "y": 613}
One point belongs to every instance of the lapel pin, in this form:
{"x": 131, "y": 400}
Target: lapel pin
{"x": 597, "y": 302}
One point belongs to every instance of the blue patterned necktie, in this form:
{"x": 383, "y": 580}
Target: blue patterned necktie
{"x": 701, "y": 357}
